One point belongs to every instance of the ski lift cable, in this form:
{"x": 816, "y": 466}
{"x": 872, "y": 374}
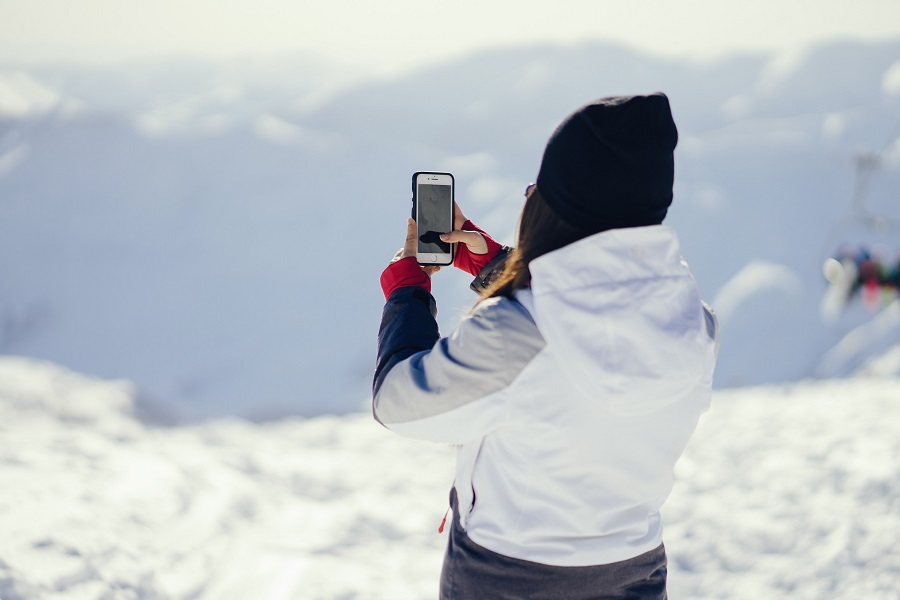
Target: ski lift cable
{"x": 866, "y": 164}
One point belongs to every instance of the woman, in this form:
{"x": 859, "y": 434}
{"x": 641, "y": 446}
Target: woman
{"x": 574, "y": 384}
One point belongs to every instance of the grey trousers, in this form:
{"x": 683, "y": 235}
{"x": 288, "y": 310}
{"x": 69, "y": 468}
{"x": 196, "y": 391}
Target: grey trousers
{"x": 472, "y": 572}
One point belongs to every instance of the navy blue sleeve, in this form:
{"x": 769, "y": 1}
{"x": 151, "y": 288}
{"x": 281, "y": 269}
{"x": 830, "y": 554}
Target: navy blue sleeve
{"x": 408, "y": 326}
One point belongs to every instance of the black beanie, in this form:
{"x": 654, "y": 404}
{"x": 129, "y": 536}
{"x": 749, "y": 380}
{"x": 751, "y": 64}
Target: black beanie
{"x": 610, "y": 164}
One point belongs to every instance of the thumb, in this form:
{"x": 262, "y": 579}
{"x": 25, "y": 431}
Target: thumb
{"x": 409, "y": 247}
{"x": 472, "y": 239}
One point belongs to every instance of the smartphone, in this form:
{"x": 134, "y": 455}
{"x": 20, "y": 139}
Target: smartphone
{"x": 433, "y": 212}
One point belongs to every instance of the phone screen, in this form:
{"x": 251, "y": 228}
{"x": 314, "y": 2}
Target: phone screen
{"x": 435, "y": 216}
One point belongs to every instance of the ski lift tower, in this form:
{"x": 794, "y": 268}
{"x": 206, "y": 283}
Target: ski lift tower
{"x": 869, "y": 265}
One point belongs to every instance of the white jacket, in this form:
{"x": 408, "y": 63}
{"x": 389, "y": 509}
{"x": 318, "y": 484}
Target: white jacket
{"x": 571, "y": 404}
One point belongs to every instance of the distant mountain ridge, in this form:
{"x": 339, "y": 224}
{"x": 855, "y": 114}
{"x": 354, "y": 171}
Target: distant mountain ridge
{"x": 214, "y": 232}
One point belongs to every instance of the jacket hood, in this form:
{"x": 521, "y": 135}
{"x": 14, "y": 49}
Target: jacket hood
{"x": 621, "y": 311}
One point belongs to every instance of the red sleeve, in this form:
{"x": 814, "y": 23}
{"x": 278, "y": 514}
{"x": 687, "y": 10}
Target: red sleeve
{"x": 405, "y": 272}
{"x": 474, "y": 263}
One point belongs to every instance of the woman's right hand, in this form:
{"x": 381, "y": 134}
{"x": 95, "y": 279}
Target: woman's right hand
{"x": 473, "y": 240}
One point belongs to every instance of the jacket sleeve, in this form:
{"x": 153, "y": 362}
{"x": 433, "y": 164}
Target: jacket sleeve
{"x": 405, "y": 272}
{"x": 455, "y": 390}
{"x": 408, "y": 325}
{"x": 490, "y": 271}
{"x": 474, "y": 263}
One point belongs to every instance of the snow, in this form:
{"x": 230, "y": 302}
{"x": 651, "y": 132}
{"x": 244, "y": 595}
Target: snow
{"x": 784, "y": 491}
{"x": 97, "y": 502}
{"x": 21, "y": 95}
{"x": 189, "y": 257}
{"x": 791, "y": 491}
{"x": 869, "y": 344}
{"x": 202, "y": 228}
{"x": 887, "y": 363}
{"x": 890, "y": 82}
{"x": 757, "y": 277}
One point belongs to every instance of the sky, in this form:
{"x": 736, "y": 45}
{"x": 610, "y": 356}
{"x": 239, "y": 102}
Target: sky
{"x": 392, "y": 36}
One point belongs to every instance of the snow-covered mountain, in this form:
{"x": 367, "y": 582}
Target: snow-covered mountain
{"x": 215, "y": 232}
{"x": 785, "y": 491}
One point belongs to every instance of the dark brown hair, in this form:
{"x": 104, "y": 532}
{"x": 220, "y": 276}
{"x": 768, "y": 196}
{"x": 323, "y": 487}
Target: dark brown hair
{"x": 540, "y": 232}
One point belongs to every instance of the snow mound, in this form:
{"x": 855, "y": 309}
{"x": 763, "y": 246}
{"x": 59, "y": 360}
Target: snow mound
{"x": 193, "y": 226}
{"x": 22, "y": 96}
{"x": 868, "y": 348}
{"x": 38, "y": 390}
{"x": 890, "y": 82}
{"x": 760, "y": 311}
{"x": 757, "y": 277}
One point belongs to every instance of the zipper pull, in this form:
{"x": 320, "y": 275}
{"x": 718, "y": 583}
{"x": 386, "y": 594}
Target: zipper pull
{"x": 443, "y": 521}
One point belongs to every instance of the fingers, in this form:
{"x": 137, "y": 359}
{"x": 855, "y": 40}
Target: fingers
{"x": 473, "y": 240}
{"x": 409, "y": 247}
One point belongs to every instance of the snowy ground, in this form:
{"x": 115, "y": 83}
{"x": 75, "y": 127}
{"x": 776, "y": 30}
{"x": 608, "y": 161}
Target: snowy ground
{"x": 787, "y": 491}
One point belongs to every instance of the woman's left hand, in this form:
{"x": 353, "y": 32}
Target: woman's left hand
{"x": 409, "y": 247}
{"x": 473, "y": 240}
